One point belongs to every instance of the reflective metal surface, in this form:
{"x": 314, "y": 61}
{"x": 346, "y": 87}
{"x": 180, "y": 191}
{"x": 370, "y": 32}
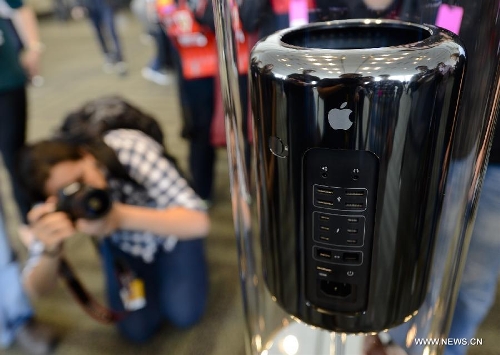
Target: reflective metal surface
{"x": 267, "y": 322}
{"x": 402, "y": 83}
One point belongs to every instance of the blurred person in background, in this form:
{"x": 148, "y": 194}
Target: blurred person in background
{"x": 157, "y": 69}
{"x": 199, "y": 91}
{"x": 102, "y": 15}
{"x": 264, "y": 17}
{"x": 20, "y": 50}
{"x": 155, "y": 227}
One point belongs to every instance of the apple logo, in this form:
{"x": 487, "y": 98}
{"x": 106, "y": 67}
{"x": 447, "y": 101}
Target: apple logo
{"x": 339, "y": 118}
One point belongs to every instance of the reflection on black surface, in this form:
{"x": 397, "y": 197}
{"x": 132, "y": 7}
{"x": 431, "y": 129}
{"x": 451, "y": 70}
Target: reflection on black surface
{"x": 402, "y": 112}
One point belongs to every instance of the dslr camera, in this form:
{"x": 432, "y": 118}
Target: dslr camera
{"x": 82, "y": 201}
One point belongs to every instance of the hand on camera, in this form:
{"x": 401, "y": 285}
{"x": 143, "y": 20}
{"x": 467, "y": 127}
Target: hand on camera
{"x": 100, "y": 227}
{"x": 51, "y": 227}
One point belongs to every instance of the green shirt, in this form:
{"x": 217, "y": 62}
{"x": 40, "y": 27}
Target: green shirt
{"x": 12, "y": 75}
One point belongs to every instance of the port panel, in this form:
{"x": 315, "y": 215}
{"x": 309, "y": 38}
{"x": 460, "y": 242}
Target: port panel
{"x": 340, "y": 200}
{"x": 339, "y": 230}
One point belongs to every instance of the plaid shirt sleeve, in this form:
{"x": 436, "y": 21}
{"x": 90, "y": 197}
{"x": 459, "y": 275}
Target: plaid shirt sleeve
{"x": 144, "y": 161}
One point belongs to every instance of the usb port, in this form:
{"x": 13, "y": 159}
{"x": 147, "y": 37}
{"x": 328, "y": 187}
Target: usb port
{"x": 352, "y": 220}
{"x": 355, "y": 192}
{"x": 324, "y": 191}
{"x": 323, "y": 253}
{"x": 352, "y": 205}
{"x": 324, "y": 238}
{"x": 352, "y": 231}
{"x": 351, "y": 241}
{"x": 324, "y": 228}
{"x": 325, "y": 203}
{"x": 323, "y": 217}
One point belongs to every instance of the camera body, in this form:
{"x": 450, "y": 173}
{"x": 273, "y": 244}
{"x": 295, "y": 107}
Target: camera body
{"x": 83, "y": 201}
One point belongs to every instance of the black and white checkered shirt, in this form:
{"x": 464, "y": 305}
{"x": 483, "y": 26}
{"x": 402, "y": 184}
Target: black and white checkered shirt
{"x": 158, "y": 184}
{"x": 155, "y": 183}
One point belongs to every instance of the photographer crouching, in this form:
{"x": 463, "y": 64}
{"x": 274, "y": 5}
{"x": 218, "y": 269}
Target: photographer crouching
{"x": 125, "y": 191}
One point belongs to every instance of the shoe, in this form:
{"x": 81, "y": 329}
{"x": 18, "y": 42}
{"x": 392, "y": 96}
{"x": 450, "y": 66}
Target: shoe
{"x": 35, "y": 338}
{"x": 107, "y": 67}
{"x": 156, "y": 76}
{"x": 146, "y": 39}
{"x": 121, "y": 68}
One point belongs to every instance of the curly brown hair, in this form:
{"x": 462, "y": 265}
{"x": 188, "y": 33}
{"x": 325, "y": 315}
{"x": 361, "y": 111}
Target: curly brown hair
{"x": 37, "y": 160}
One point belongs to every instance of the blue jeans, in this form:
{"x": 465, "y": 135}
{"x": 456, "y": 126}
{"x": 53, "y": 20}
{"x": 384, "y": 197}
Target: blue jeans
{"x": 176, "y": 286}
{"x": 479, "y": 280}
{"x": 102, "y": 17}
{"x": 197, "y": 100}
{"x": 15, "y": 308}
{"x": 197, "y": 105}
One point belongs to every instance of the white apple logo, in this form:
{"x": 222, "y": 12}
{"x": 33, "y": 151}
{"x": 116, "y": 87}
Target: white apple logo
{"x": 339, "y": 118}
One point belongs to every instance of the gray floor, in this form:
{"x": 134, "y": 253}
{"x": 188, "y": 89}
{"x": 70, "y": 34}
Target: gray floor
{"x": 72, "y": 71}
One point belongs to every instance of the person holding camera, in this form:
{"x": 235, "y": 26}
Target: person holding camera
{"x": 124, "y": 190}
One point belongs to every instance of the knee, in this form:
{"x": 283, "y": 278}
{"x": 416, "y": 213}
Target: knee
{"x": 185, "y": 311}
{"x": 186, "y": 315}
{"x": 137, "y": 332}
{"x": 136, "y": 337}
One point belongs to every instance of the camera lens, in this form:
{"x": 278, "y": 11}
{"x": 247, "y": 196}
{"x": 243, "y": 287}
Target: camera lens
{"x": 83, "y": 201}
{"x": 96, "y": 204}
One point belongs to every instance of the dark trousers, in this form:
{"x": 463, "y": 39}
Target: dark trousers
{"x": 13, "y": 121}
{"x": 197, "y": 102}
{"x": 176, "y": 286}
{"x": 197, "y": 98}
{"x": 102, "y": 17}
{"x": 163, "y": 57}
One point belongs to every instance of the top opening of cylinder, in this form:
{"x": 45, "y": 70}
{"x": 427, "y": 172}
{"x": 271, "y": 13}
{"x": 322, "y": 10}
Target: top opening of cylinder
{"x": 355, "y": 36}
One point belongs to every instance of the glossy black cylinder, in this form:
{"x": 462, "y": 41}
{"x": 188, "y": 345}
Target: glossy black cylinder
{"x": 362, "y": 111}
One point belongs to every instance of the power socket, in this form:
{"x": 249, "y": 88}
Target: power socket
{"x": 340, "y": 190}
